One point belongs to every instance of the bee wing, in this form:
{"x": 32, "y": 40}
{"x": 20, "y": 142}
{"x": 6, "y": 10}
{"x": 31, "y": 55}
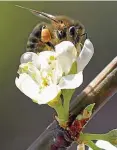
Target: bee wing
{"x": 38, "y": 13}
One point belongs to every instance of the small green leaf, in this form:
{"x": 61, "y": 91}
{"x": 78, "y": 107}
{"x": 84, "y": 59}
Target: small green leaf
{"x": 79, "y": 117}
{"x": 87, "y": 112}
{"x": 90, "y": 107}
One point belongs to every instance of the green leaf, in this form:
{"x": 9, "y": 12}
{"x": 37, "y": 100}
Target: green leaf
{"x": 112, "y": 137}
{"x": 90, "y": 107}
{"x": 87, "y": 112}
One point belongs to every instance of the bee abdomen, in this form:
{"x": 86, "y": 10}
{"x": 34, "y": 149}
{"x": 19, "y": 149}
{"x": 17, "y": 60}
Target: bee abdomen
{"x": 35, "y": 38}
{"x": 31, "y": 47}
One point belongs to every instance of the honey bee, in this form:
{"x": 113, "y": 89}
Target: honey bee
{"x": 45, "y": 36}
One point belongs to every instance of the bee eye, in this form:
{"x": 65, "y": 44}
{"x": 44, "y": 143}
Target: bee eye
{"x": 72, "y": 30}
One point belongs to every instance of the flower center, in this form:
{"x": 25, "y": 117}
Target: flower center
{"x": 46, "y": 79}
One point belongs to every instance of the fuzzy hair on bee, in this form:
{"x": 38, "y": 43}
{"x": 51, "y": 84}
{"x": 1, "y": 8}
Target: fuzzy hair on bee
{"x": 45, "y": 36}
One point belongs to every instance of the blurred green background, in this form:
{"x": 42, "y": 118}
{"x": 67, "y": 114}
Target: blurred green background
{"x": 21, "y": 121}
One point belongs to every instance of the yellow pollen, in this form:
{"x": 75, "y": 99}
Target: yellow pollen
{"x": 45, "y": 82}
{"x": 52, "y": 58}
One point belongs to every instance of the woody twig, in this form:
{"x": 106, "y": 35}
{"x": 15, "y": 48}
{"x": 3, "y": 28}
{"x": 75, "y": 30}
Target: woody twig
{"x": 99, "y": 91}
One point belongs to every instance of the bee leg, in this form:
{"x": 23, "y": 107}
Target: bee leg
{"x": 81, "y": 45}
{"x": 51, "y": 45}
{"x": 76, "y": 40}
{"x": 85, "y": 34}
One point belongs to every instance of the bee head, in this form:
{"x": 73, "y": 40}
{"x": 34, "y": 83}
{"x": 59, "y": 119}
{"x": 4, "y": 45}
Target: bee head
{"x": 64, "y": 28}
{"x": 68, "y": 29}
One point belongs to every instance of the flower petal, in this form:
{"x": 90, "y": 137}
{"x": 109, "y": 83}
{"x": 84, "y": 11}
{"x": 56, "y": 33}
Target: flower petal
{"x": 29, "y": 57}
{"x": 105, "y": 145}
{"x": 45, "y": 59}
{"x": 31, "y": 89}
{"x": 66, "y": 46}
{"x": 66, "y": 55}
{"x": 26, "y": 85}
{"x": 56, "y": 73}
{"x": 48, "y": 94}
{"x": 85, "y": 55}
{"x": 31, "y": 70}
{"x": 71, "y": 81}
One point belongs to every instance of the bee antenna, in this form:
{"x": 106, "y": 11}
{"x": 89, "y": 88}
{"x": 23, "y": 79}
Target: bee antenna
{"x": 37, "y": 13}
{"x": 21, "y": 7}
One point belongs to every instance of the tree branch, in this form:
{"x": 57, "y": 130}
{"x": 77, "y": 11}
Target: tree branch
{"x": 99, "y": 91}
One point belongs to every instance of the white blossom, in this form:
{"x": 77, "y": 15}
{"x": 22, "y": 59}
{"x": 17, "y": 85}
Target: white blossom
{"x": 43, "y": 75}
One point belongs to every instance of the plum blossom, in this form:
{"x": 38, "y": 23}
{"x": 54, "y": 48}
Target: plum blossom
{"x": 42, "y": 76}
